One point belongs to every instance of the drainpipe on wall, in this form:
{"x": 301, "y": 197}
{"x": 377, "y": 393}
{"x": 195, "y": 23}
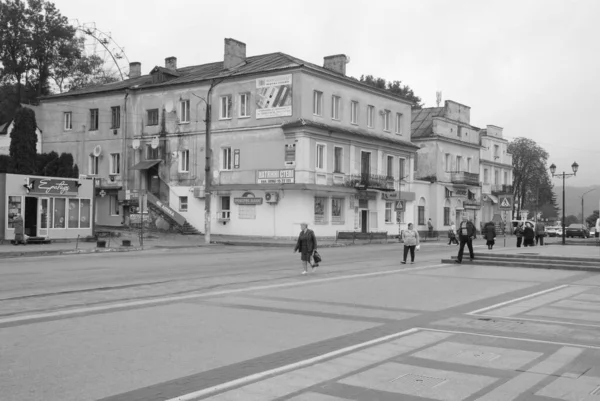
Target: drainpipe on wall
{"x": 125, "y": 158}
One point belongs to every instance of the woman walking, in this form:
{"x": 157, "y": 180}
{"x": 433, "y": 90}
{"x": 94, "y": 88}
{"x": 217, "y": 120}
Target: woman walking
{"x": 410, "y": 237}
{"x": 452, "y": 234}
{"x": 489, "y": 233}
{"x": 307, "y": 244}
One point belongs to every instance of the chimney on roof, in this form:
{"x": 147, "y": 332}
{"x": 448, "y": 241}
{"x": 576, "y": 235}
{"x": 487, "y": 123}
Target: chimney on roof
{"x": 171, "y": 63}
{"x": 336, "y": 63}
{"x": 135, "y": 69}
{"x": 235, "y": 53}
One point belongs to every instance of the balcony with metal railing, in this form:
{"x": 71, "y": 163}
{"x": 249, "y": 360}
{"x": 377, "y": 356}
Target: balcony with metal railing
{"x": 502, "y": 189}
{"x": 464, "y": 177}
{"x": 370, "y": 181}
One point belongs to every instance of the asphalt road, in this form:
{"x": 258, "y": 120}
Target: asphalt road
{"x": 229, "y": 323}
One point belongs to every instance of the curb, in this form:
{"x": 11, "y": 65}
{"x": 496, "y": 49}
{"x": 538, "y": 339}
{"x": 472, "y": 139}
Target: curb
{"x": 10, "y": 255}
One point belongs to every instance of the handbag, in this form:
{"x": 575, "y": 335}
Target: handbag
{"x": 317, "y": 257}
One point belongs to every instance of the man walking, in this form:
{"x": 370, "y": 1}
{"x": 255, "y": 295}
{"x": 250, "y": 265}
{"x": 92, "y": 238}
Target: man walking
{"x": 430, "y": 227}
{"x": 466, "y": 233}
{"x": 540, "y": 233}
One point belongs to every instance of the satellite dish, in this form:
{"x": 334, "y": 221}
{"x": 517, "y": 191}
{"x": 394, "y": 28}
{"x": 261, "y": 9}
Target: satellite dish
{"x": 97, "y": 150}
{"x": 155, "y": 142}
{"x": 169, "y": 105}
{"x": 135, "y": 144}
{"x": 174, "y": 154}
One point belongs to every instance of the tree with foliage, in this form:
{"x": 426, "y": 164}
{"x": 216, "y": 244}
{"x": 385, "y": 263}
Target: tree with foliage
{"x": 592, "y": 218}
{"x": 23, "y": 143}
{"x": 394, "y": 87}
{"x": 570, "y": 219}
{"x": 53, "y": 165}
{"x": 15, "y": 37}
{"x": 532, "y": 187}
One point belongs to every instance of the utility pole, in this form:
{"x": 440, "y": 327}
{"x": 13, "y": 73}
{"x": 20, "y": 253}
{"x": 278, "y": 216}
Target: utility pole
{"x": 207, "y": 172}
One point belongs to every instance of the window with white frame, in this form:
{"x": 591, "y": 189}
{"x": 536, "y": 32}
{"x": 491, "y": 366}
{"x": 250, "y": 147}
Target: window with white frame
{"x": 337, "y": 210}
{"x": 318, "y": 103}
{"x": 115, "y": 163}
{"x": 496, "y": 151}
{"x": 152, "y": 117}
{"x": 458, "y": 163}
{"x": 115, "y": 117}
{"x": 183, "y": 203}
{"x": 402, "y": 169}
{"x": 244, "y": 105}
{"x": 421, "y": 212}
{"x": 370, "y": 115}
{"x": 225, "y": 113}
{"x": 398, "y": 129}
{"x": 354, "y": 112}
{"x": 388, "y": 212}
{"x": 60, "y": 213}
{"x": 225, "y": 207}
{"x": 93, "y": 119}
{"x": 447, "y": 162}
{"x": 505, "y": 178}
{"x": 68, "y": 120}
{"x": 73, "y": 213}
{"x": 184, "y": 161}
{"x": 320, "y": 210}
{"x": 93, "y": 165}
{"x": 386, "y": 120}
{"x": 496, "y": 177}
{"x": 226, "y": 158}
{"x": 184, "y": 111}
{"x": 335, "y": 107}
{"x": 390, "y": 167}
{"x": 338, "y": 157}
{"x": 114, "y": 205}
{"x": 320, "y": 159}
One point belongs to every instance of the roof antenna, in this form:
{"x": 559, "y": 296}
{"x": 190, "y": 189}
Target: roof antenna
{"x": 438, "y": 98}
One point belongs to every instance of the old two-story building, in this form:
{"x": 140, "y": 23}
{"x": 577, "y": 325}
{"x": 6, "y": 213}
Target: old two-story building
{"x": 495, "y": 170}
{"x": 291, "y": 142}
{"x": 447, "y": 167}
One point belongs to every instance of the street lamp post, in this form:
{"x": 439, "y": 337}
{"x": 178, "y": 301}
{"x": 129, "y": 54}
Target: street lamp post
{"x": 583, "y": 215}
{"x": 564, "y": 175}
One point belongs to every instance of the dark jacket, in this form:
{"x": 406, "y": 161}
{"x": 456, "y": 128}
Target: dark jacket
{"x": 307, "y": 243}
{"x": 470, "y": 230}
{"x": 528, "y": 232}
{"x": 519, "y": 231}
{"x": 489, "y": 232}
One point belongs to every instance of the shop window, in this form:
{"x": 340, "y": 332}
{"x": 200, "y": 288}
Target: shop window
{"x": 183, "y": 203}
{"x": 60, "y": 205}
{"x": 337, "y": 210}
{"x": 15, "y": 207}
{"x": 320, "y": 210}
{"x": 388, "y": 212}
{"x": 73, "y": 213}
{"x": 247, "y": 211}
{"x": 113, "y": 205}
{"x": 85, "y": 213}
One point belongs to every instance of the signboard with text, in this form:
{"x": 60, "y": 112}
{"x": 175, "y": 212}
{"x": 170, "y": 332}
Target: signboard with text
{"x": 274, "y": 96}
{"x": 286, "y": 176}
{"x": 53, "y": 186}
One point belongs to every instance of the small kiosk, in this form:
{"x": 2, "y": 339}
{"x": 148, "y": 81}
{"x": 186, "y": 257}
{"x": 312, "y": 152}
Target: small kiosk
{"x": 51, "y": 207}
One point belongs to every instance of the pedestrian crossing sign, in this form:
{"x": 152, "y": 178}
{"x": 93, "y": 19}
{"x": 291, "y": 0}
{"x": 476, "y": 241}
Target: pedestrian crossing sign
{"x": 505, "y": 202}
{"x": 399, "y": 206}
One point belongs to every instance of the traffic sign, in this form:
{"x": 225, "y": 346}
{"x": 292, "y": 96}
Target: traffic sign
{"x": 399, "y": 206}
{"x": 505, "y": 202}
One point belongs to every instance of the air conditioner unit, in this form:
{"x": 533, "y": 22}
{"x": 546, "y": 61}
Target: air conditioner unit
{"x": 272, "y": 197}
{"x": 224, "y": 215}
{"x": 199, "y": 192}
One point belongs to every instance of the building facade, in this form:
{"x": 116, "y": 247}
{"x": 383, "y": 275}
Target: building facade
{"x": 291, "y": 142}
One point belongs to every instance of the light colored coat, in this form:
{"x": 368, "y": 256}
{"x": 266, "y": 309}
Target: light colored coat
{"x": 410, "y": 237}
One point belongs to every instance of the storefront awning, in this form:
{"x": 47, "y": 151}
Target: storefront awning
{"x": 492, "y": 198}
{"x": 145, "y": 165}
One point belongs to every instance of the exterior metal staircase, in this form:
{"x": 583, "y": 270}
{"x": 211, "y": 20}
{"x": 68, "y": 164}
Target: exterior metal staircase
{"x": 176, "y": 219}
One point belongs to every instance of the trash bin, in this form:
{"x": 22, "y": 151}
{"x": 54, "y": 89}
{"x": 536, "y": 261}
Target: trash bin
{"x": 101, "y": 244}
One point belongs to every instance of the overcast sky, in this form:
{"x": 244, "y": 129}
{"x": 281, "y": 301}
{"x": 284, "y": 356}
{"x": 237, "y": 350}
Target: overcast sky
{"x": 531, "y": 67}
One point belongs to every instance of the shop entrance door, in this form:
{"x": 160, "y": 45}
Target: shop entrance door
{"x": 43, "y": 217}
{"x": 364, "y": 220}
{"x": 31, "y": 216}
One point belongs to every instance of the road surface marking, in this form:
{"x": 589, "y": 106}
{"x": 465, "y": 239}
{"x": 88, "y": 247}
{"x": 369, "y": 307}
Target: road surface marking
{"x": 536, "y": 374}
{"x": 299, "y": 375}
{"x": 529, "y": 340}
{"x": 203, "y": 295}
{"x": 478, "y": 311}
{"x": 537, "y": 320}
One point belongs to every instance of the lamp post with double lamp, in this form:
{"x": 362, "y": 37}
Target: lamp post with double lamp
{"x": 564, "y": 175}
{"x": 583, "y": 215}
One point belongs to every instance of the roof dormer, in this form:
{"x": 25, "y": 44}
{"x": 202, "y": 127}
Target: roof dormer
{"x": 162, "y": 74}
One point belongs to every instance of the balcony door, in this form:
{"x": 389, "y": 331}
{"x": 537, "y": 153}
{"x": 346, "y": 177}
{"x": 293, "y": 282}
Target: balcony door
{"x": 365, "y": 163}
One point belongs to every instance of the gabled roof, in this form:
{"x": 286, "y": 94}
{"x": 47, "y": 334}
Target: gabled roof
{"x": 271, "y": 62}
{"x": 422, "y": 121}
{"x": 369, "y": 135}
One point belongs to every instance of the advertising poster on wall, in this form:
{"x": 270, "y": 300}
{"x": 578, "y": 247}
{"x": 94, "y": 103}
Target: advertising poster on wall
{"x": 274, "y": 96}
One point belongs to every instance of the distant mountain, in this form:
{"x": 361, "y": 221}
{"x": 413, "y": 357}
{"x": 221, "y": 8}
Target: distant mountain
{"x": 573, "y": 199}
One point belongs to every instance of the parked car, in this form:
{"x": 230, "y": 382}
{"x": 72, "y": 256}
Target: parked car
{"x": 577, "y": 230}
{"x": 554, "y": 231}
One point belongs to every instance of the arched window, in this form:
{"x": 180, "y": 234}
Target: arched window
{"x": 447, "y": 212}
{"x": 421, "y": 211}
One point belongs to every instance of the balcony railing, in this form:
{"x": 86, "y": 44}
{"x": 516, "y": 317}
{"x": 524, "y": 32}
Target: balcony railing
{"x": 463, "y": 177}
{"x": 502, "y": 189}
{"x": 370, "y": 181}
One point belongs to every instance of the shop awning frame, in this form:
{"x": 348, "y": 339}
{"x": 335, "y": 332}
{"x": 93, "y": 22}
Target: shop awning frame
{"x": 145, "y": 165}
